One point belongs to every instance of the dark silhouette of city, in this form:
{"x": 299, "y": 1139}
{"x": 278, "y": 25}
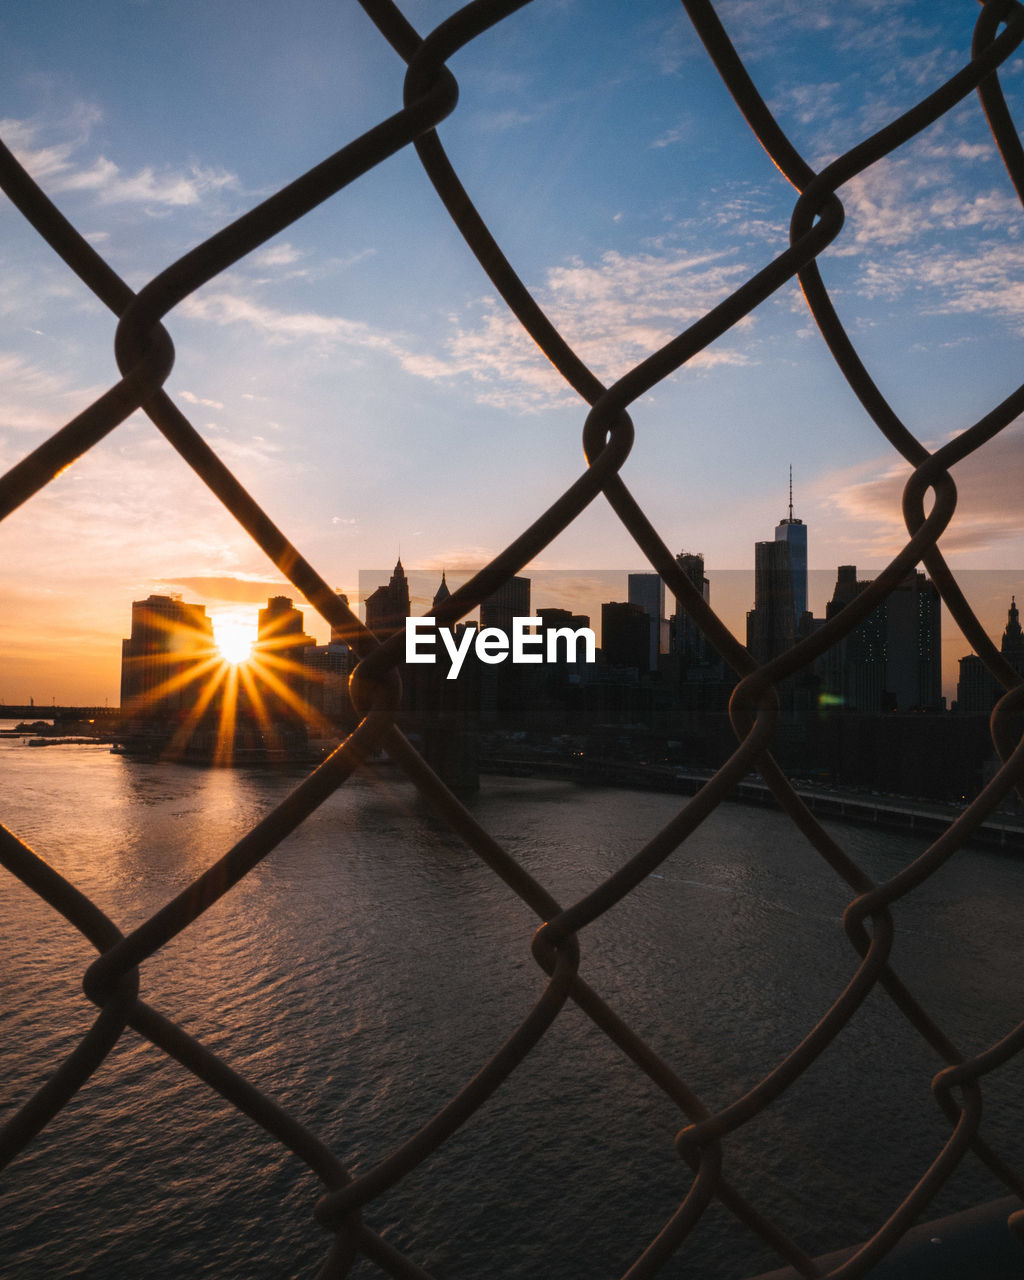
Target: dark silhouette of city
{"x": 654, "y": 701}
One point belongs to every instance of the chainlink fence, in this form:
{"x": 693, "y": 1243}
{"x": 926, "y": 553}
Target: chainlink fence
{"x": 144, "y": 355}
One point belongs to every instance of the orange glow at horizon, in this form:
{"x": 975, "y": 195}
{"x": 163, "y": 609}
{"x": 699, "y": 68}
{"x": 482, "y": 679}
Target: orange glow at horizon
{"x": 239, "y": 692}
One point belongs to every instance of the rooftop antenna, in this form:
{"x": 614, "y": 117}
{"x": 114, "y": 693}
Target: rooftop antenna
{"x": 791, "y": 492}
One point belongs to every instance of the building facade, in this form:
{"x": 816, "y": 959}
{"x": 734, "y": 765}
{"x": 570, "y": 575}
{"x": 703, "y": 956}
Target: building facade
{"x": 771, "y": 624}
{"x": 511, "y": 600}
{"x": 170, "y": 646}
{"x": 388, "y": 607}
{"x": 648, "y": 591}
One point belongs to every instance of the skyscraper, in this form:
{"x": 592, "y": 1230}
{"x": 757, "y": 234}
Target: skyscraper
{"x": 442, "y": 593}
{"x": 626, "y": 635}
{"x": 977, "y": 689}
{"x": 853, "y": 671}
{"x": 344, "y": 634}
{"x": 170, "y": 640}
{"x": 511, "y": 600}
{"x": 892, "y": 659}
{"x": 771, "y": 624}
{"x": 648, "y": 591}
{"x": 388, "y": 607}
{"x": 780, "y": 588}
{"x": 688, "y": 639}
{"x": 280, "y": 627}
{"x": 913, "y": 666}
{"x": 282, "y": 647}
{"x": 793, "y": 533}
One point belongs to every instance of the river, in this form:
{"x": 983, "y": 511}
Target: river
{"x": 366, "y": 969}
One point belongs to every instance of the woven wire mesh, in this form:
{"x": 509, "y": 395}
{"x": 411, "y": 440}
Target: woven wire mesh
{"x": 144, "y": 353}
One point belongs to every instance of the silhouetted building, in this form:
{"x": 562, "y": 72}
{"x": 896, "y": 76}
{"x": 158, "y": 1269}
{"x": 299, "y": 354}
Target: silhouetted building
{"x": 552, "y": 619}
{"x": 281, "y": 646}
{"x": 913, "y": 649}
{"x": 444, "y": 716}
{"x": 687, "y": 639}
{"x": 626, "y": 635}
{"x": 793, "y": 533}
{"x": 441, "y": 594}
{"x": 170, "y": 648}
{"x": 1013, "y": 639}
{"x": 1012, "y": 646}
{"x": 388, "y": 607}
{"x": 280, "y": 627}
{"x": 977, "y": 689}
{"x": 648, "y": 591}
{"x": 326, "y": 669}
{"x": 771, "y": 624}
{"x": 892, "y": 659}
{"x": 511, "y": 600}
{"x": 854, "y": 669}
{"x": 342, "y": 635}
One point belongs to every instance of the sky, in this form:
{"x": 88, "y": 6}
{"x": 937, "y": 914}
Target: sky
{"x": 358, "y": 372}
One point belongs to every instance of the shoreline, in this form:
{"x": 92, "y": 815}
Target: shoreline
{"x": 890, "y": 813}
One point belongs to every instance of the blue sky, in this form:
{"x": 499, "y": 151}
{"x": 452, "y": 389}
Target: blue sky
{"x": 359, "y": 373}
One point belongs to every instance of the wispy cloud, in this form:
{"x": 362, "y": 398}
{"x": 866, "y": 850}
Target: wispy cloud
{"x": 678, "y": 133}
{"x": 807, "y": 103}
{"x": 35, "y": 399}
{"x": 192, "y": 398}
{"x": 897, "y": 201}
{"x": 239, "y": 588}
{"x": 276, "y": 255}
{"x": 232, "y": 306}
{"x": 614, "y": 312}
{"x": 988, "y": 500}
{"x": 63, "y": 167}
{"x": 989, "y": 281}
{"x": 111, "y": 185}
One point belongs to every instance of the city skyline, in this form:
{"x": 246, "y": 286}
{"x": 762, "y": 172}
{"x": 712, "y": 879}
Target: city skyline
{"x": 235, "y": 626}
{"x": 357, "y": 372}
{"x": 583, "y": 299}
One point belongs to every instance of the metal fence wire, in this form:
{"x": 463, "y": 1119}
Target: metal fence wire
{"x": 144, "y": 353}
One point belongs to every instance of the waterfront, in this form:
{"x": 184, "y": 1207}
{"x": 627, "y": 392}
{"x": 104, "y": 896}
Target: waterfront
{"x": 365, "y": 970}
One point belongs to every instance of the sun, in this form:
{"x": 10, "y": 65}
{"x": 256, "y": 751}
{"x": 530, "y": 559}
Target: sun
{"x": 234, "y": 639}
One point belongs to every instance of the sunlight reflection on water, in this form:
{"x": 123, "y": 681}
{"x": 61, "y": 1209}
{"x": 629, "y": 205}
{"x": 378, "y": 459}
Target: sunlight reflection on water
{"x": 365, "y": 970}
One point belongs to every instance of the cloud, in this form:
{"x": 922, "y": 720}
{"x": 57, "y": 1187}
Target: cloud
{"x": 897, "y": 201}
{"x": 228, "y": 307}
{"x": 989, "y": 483}
{"x": 614, "y": 312}
{"x": 242, "y": 588}
{"x": 746, "y": 216}
{"x": 679, "y": 133}
{"x": 192, "y": 398}
{"x": 168, "y": 187}
{"x": 509, "y": 118}
{"x": 36, "y": 400}
{"x": 989, "y": 281}
{"x": 276, "y": 255}
{"x": 757, "y": 27}
{"x": 457, "y": 563}
{"x": 60, "y": 168}
{"x": 807, "y": 103}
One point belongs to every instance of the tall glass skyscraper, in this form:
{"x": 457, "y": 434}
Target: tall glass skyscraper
{"x": 794, "y": 533}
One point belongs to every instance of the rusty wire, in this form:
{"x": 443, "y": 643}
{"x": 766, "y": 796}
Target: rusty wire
{"x": 145, "y": 356}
